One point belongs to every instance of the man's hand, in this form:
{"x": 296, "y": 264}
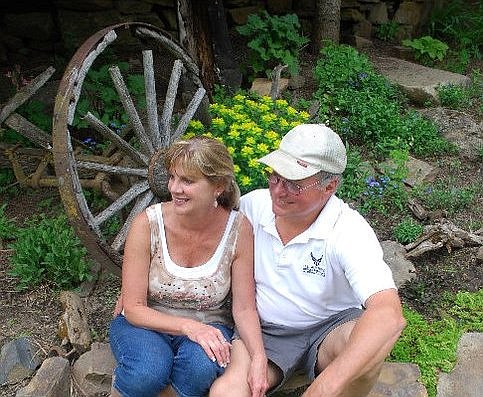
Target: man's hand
{"x": 258, "y": 377}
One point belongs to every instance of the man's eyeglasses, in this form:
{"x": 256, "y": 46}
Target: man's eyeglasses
{"x": 290, "y": 186}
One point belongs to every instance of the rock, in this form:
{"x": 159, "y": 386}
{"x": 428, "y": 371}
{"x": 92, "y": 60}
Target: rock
{"x": 51, "y": 380}
{"x": 395, "y": 380}
{"x": 417, "y": 81}
{"x": 419, "y": 171}
{"x": 93, "y": 370}
{"x": 395, "y": 256}
{"x": 263, "y": 86}
{"x": 399, "y": 380}
{"x": 466, "y": 377}
{"x": 19, "y": 359}
{"x": 458, "y": 128}
{"x": 73, "y": 325}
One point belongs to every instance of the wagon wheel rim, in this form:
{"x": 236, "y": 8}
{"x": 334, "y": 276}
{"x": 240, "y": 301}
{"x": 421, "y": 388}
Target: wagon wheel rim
{"x": 148, "y": 172}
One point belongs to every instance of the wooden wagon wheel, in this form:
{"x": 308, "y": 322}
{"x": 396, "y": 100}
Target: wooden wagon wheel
{"x": 137, "y": 161}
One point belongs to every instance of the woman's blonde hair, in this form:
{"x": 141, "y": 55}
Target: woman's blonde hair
{"x": 210, "y": 158}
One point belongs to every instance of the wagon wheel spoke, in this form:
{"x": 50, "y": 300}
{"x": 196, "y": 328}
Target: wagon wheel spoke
{"x": 121, "y": 202}
{"x": 104, "y": 130}
{"x": 169, "y": 103}
{"x": 110, "y": 169}
{"x": 151, "y": 104}
{"x": 128, "y": 104}
{"x": 142, "y": 202}
{"x": 190, "y": 112}
{"x": 128, "y": 170}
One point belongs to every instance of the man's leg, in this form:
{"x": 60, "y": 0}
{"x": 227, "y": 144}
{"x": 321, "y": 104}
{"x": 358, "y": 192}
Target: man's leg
{"x": 331, "y": 347}
{"x": 235, "y": 377}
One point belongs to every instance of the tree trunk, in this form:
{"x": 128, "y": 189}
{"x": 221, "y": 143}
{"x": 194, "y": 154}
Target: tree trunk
{"x": 204, "y": 34}
{"x": 326, "y": 23}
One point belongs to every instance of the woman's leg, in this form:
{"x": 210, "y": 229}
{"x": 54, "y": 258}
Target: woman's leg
{"x": 193, "y": 371}
{"x": 144, "y": 357}
{"x": 236, "y": 374}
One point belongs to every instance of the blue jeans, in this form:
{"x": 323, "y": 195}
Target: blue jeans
{"x": 148, "y": 361}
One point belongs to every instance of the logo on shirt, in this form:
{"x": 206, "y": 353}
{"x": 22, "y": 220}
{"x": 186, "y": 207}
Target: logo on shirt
{"x": 316, "y": 266}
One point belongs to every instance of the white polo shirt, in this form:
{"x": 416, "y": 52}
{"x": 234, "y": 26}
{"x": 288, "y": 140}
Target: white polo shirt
{"x": 333, "y": 265}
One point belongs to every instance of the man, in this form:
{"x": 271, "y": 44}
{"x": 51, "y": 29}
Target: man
{"x": 327, "y": 301}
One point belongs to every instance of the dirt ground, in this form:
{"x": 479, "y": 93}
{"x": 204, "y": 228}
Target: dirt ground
{"x": 36, "y": 312}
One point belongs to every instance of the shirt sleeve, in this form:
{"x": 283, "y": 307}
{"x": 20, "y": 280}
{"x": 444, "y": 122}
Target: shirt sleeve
{"x": 360, "y": 255}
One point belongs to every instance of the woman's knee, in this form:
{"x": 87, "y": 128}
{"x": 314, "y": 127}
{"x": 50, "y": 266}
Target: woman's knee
{"x": 141, "y": 381}
{"x": 196, "y": 377}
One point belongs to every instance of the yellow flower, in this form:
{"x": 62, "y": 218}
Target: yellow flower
{"x": 189, "y": 135}
{"x": 304, "y": 116}
{"x": 263, "y": 108}
{"x": 268, "y": 118}
{"x": 231, "y": 150}
{"x": 283, "y": 123}
{"x": 253, "y": 163}
{"x": 239, "y": 97}
{"x": 236, "y": 168}
{"x": 291, "y": 111}
{"x": 281, "y": 103}
{"x": 218, "y": 122}
{"x": 233, "y": 133}
{"x": 245, "y": 180}
{"x": 250, "y": 141}
{"x": 263, "y": 148}
{"x": 271, "y": 135}
{"x": 196, "y": 125}
{"x": 266, "y": 99}
{"x": 247, "y": 151}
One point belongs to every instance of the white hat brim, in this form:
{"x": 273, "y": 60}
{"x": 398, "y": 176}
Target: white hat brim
{"x": 288, "y": 166}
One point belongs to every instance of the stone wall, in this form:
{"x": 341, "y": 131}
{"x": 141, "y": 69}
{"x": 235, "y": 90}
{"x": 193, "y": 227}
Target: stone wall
{"x": 51, "y": 30}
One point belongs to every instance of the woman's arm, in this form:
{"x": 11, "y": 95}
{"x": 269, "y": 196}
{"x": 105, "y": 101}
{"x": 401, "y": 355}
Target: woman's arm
{"x": 245, "y": 312}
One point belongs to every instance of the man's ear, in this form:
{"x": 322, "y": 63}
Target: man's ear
{"x": 331, "y": 187}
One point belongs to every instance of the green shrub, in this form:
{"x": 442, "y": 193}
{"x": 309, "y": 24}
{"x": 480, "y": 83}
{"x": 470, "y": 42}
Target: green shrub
{"x": 366, "y": 110}
{"x": 8, "y": 230}
{"x": 459, "y": 23}
{"x": 7, "y": 180}
{"x": 385, "y": 191}
{"x": 453, "y": 96}
{"x": 427, "y": 49}
{"x": 355, "y": 174}
{"x": 407, "y": 231}
{"x": 387, "y": 31}
{"x": 273, "y": 40}
{"x": 100, "y": 97}
{"x": 445, "y": 196}
{"x": 48, "y": 249}
{"x": 250, "y": 126}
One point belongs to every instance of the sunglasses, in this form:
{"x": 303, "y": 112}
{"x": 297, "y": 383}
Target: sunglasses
{"x": 290, "y": 186}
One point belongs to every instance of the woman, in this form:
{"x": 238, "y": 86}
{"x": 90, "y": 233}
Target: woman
{"x": 187, "y": 273}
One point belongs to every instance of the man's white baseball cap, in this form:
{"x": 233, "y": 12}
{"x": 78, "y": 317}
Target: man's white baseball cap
{"x": 306, "y": 150}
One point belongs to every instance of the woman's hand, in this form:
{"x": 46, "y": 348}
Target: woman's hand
{"x": 258, "y": 376}
{"x": 211, "y": 340}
